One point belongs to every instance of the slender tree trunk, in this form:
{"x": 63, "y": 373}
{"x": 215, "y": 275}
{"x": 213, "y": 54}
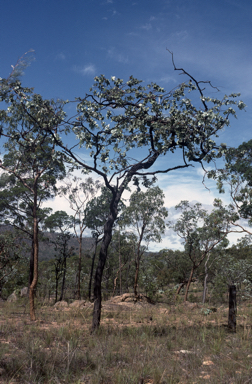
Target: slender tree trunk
{"x": 92, "y": 270}
{"x": 31, "y": 262}
{"x": 56, "y": 283}
{"x": 136, "y": 278}
{"x": 120, "y": 264}
{"x": 56, "y": 291}
{"x": 115, "y": 279}
{"x": 138, "y": 260}
{"x": 79, "y": 269}
{"x": 178, "y": 291}
{"x": 205, "y": 288}
{"x": 36, "y": 248}
{"x": 205, "y": 280}
{"x": 63, "y": 281}
{"x": 128, "y": 269}
{"x": 189, "y": 283}
{"x": 232, "y": 308}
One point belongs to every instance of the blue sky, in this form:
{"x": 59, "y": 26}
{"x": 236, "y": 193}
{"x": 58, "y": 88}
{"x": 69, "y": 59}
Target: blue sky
{"x": 79, "y": 39}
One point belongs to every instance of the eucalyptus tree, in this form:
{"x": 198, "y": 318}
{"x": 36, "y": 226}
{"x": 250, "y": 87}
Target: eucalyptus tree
{"x": 126, "y": 128}
{"x": 31, "y": 165}
{"x": 237, "y": 178}
{"x": 78, "y": 194}
{"x": 201, "y": 232}
{"x": 115, "y": 118}
{"x": 146, "y": 216}
{"x": 60, "y": 223}
{"x": 11, "y": 256}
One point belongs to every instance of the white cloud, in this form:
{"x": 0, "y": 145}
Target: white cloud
{"x": 88, "y": 69}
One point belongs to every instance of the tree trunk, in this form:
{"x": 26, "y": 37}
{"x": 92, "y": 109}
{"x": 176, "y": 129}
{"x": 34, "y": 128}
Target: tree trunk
{"x": 205, "y": 280}
{"x": 232, "y": 308}
{"x": 56, "y": 283}
{"x": 138, "y": 260}
{"x": 205, "y": 288}
{"x": 108, "y": 234}
{"x": 102, "y": 260}
{"x": 188, "y": 284}
{"x": 92, "y": 270}
{"x": 98, "y": 280}
{"x": 119, "y": 264}
{"x": 63, "y": 281}
{"x": 79, "y": 269}
{"x": 178, "y": 291}
{"x": 35, "y": 258}
{"x": 31, "y": 262}
{"x": 136, "y": 278}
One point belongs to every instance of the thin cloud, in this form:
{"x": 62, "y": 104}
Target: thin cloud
{"x": 60, "y": 56}
{"x": 119, "y": 57}
{"x": 181, "y": 35}
{"x": 146, "y": 27}
{"x": 88, "y": 69}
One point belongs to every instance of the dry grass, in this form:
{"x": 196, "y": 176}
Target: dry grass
{"x": 139, "y": 343}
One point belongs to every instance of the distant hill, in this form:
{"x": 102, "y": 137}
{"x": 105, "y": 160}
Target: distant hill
{"x": 46, "y": 246}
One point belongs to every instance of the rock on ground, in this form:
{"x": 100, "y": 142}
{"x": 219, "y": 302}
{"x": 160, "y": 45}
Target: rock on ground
{"x": 60, "y": 304}
{"x": 78, "y": 304}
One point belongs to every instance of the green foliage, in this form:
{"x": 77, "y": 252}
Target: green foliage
{"x": 59, "y": 221}
{"x": 202, "y": 231}
{"x": 12, "y": 262}
{"x": 237, "y": 175}
{"x": 146, "y": 213}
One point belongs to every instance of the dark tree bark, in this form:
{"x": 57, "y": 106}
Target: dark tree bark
{"x": 232, "y": 308}
{"x": 92, "y": 270}
{"x": 99, "y": 271}
{"x": 103, "y": 254}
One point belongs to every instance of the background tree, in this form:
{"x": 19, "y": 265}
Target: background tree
{"x": 11, "y": 257}
{"x": 202, "y": 232}
{"x": 237, "y": 176}
{"x": 31, "y": 171}
{"x": 146, "y": 215}
{"x": 29, "y": 152}
{"x": 79, "y": 193}
{"x": 60, "y": 222}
